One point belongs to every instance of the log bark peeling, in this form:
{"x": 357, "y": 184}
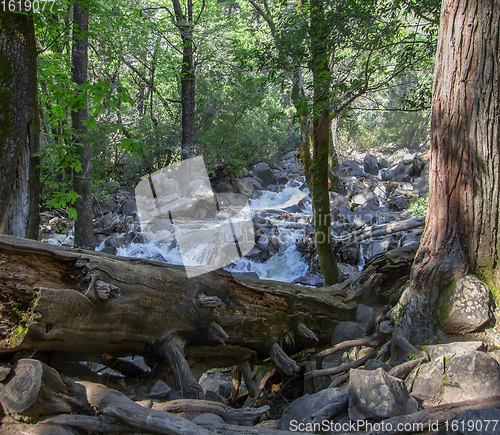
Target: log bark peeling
{"x": 84, "y": 304}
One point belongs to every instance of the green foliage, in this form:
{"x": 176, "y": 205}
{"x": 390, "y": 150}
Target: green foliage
{"x": 418, "y": 207}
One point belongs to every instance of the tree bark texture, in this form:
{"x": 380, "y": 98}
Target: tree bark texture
{"x": 461, "y": 233}
{"x": 84, "y": 304}
{"x": 84, "y": 228}
{"x": 19, "y": 127}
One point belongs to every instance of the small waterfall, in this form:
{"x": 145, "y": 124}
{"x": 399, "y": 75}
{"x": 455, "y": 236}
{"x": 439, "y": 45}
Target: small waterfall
{"x": 361, "y": 260}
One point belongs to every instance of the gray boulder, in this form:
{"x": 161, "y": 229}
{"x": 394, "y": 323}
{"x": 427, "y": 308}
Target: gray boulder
{"x": 371, "y": 164}
{"x": 465, "y": 306}
{"x": 265, "y": 173}
{"x": 399, "y": 173}
{"x": 350, "y": 168}
{"x": 313, "y": 408}
{"x": 129, "y": 208}
{"x": 246, "y": 186}
{"x": 347, "y": 331}
{"x": 453, "y": 378}
{"x": 376, "y": 395}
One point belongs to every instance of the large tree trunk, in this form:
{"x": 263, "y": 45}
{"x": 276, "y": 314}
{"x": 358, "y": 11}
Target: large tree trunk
{"x": 83, "y": 304}
{"x": 461, "y": 234}
{"x": 19, "y": 127}
{"x": 84, "y": 228}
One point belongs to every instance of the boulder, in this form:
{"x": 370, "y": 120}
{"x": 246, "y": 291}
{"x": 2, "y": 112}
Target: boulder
{"x": 465, "y": 306}
{"x": 453, "y": 378}
{"x": 159, "y": 390}
{"x": 371, "y": 164}
{"x": 364, "y": 314}
{"x": 399, "y": 173}
{"x": 374, "y": 364}
{"x": 310, "y": 279}
{"x": 347, "y": 331}
{"x": 129, "y": 208}
{"x": 265, "y": 173}
{"x": 111, "y": 223}
{"x": 349, "y": 168}
{"x": 373, "y": 394}
{"x": 246, "y": 186}
{"x": 313, "y": 409}
{"x": 383, "y": 163}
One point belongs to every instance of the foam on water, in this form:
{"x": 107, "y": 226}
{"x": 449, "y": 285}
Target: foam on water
{"x": 277, "y": 200}
{"x": 286, "y": 265}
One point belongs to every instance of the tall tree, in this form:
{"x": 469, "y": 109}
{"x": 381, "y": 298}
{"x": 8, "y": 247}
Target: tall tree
{"x": 334, "y": 53}
{"x": 185, "y": 21}
{"x": 84, "y": 229}
{"x": 19, "y": 127}
{"x": 461, "y": 233}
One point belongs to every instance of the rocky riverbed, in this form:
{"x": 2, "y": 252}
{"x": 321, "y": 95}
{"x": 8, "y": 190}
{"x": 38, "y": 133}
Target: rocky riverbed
{"x": 452, "y": 387}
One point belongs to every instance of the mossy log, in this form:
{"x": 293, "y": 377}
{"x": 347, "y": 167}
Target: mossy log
{"x": 81, "y": 305}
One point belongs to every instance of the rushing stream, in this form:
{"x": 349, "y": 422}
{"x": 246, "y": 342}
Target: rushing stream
{"x": 286, "y": 265}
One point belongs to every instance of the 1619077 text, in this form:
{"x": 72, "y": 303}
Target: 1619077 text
{"x": 36, "y": 6}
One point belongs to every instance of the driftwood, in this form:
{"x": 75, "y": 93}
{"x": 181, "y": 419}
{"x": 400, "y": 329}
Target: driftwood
{"x": 82, "y": 305}
{"x": 340, "y": 369}
{"x": 242, "y": 416}
{"x": 376, "y": 231}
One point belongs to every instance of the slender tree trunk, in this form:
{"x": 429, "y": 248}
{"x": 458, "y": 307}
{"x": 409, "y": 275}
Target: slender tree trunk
{"x": 19, "y": 127}
{"x": 84, "y": 229}
{"x": 461, "y": 234}
{"x": 321, "y": 139}
{"x": 185, "y": 24}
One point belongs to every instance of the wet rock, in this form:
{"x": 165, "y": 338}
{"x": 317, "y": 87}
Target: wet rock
{"x": 376, "y": 395}
{"x": 313, "y": 408}
{"x": 310, "y": 279}
{"x": 473, "y": 422}
{"x": 371, "y": 164}
{"x": 265, "y": 173}
{"x": 465, "y": 306}
{"x": 347, "y": 331}
{"x": 463, "y": 376}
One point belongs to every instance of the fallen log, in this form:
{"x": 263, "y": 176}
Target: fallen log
{"x": 84, "y": 304}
